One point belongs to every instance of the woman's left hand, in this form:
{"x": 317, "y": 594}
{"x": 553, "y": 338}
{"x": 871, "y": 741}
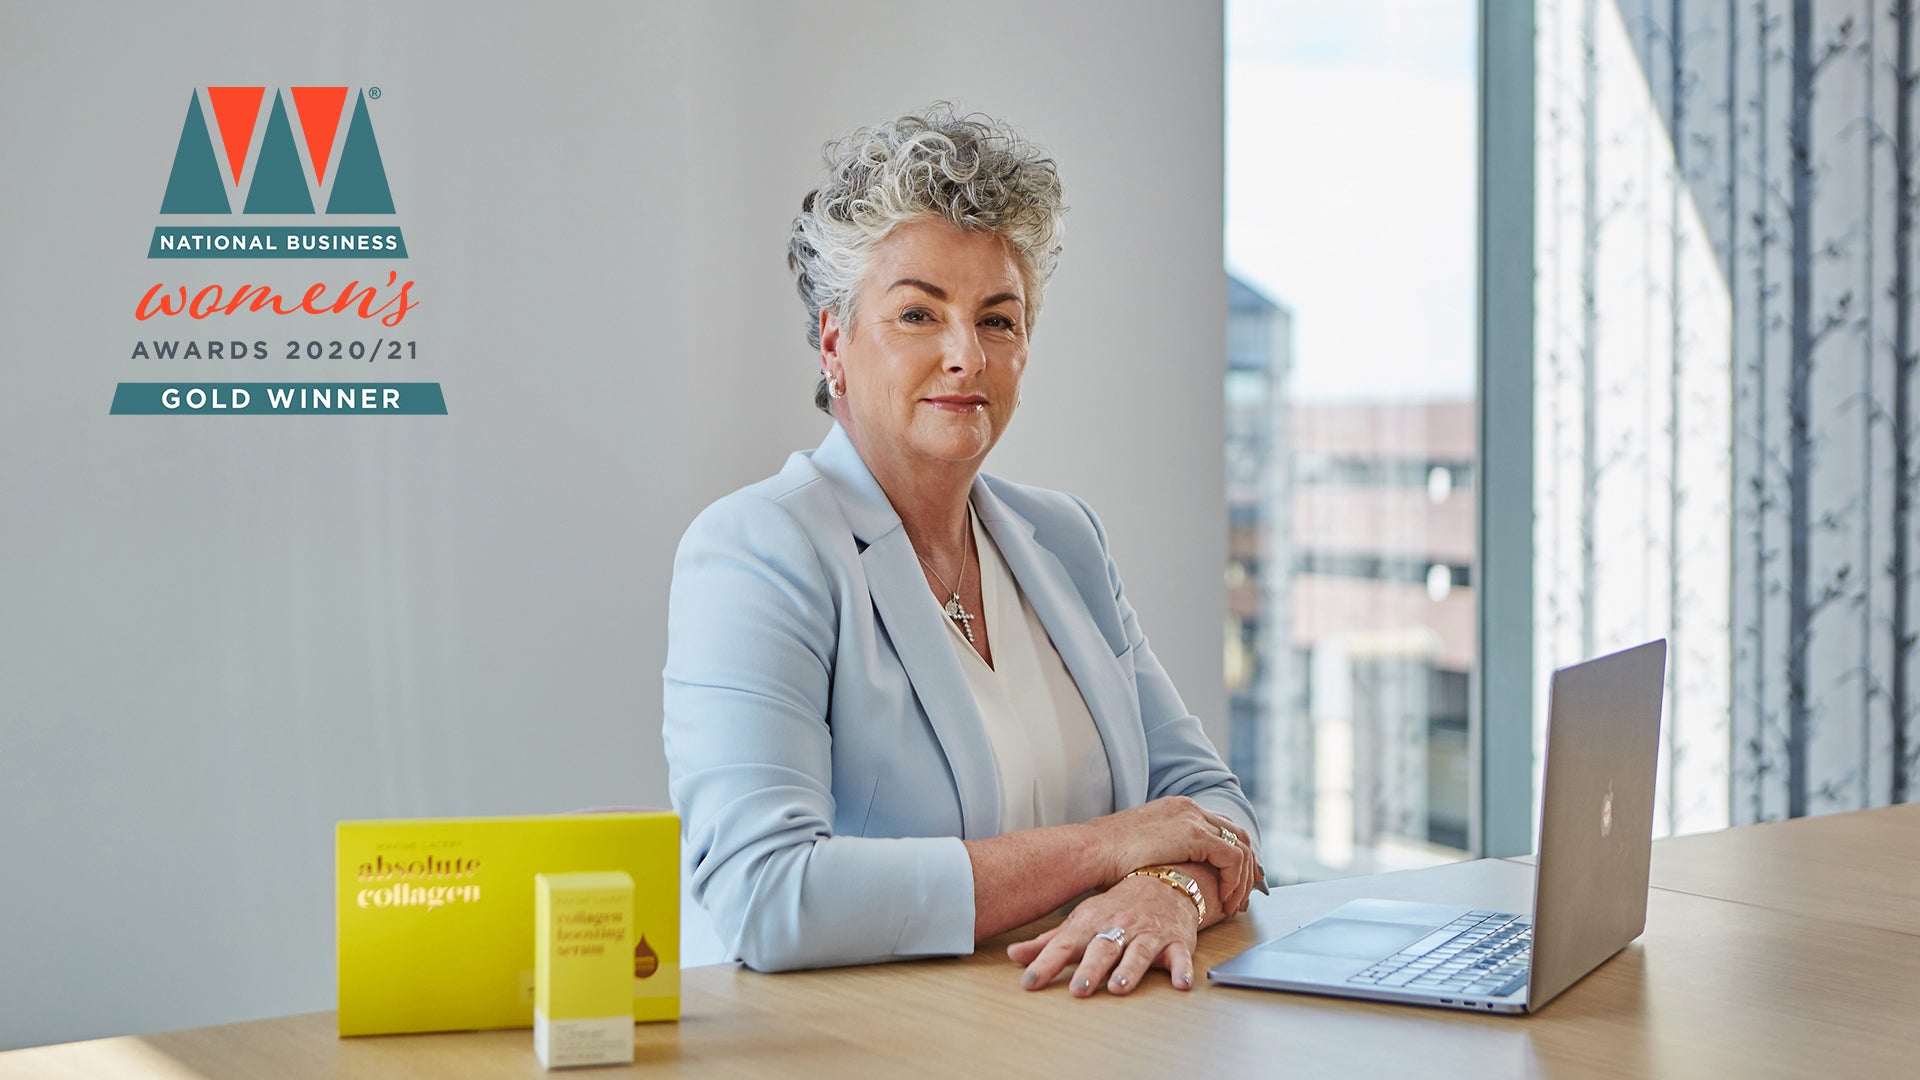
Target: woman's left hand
{"x": 1159, "y": 926}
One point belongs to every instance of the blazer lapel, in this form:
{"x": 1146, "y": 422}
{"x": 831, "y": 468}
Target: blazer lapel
{"x": 913, "y": 622}
{"x": 1049, "y": 588}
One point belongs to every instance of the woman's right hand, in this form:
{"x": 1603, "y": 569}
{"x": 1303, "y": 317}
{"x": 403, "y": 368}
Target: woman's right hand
{"x": 1176, "y": 829}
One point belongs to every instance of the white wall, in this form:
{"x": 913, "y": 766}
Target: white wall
{"x": 219, "y": 636}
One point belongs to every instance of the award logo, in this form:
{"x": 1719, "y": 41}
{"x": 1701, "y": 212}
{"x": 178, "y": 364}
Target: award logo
{"x": 279, "y": 173}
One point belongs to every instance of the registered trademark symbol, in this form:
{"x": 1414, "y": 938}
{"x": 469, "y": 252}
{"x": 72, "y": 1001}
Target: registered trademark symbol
{"x": 373, "y": 92}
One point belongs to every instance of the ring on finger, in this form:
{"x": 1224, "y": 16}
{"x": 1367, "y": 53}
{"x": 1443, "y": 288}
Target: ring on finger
{"x": 1115, "y": 934}
{"x": 1227, "y": 835}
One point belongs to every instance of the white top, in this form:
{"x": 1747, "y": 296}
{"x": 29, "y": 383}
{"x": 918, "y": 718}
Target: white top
{"x": 1053, "y": 766}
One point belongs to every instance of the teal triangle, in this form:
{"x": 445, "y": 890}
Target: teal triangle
{"x": 279, "y": 186}
{"x": 360, "y": 185}
{"x": 195, "y": 186}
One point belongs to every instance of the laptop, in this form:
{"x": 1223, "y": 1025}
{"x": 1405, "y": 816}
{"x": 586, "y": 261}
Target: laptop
{"x": 1589, "y": 890}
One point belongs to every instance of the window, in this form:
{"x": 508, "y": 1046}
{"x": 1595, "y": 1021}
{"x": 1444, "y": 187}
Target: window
{"x": 1350, "y": 427}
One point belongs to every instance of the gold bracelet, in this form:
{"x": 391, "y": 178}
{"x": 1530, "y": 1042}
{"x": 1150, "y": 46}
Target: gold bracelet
{"x": 1180, "y": 881}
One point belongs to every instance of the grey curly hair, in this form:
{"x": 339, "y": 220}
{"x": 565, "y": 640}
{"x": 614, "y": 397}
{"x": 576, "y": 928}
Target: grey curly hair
{"x": 973, "y": 171}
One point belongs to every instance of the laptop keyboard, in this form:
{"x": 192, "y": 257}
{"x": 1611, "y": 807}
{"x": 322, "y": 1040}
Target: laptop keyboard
{"x": 1482, "y": 953}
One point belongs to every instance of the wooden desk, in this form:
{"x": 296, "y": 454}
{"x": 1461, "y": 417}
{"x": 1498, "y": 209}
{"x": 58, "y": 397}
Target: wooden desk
{"x": 1862, "y": 868}
{"x": 1716, "y": 987}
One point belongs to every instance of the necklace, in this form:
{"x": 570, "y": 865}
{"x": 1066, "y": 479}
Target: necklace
{"x": 953, "y": 609}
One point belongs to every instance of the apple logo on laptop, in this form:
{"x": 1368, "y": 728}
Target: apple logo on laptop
{"x": 1606, "y": 813}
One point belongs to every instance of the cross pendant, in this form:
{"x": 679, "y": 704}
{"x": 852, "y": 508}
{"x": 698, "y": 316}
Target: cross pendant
{"x": 960, "y": 616}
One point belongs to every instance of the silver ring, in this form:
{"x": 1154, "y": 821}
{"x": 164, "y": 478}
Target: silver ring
{"x": 1227, "y": 835}
{"x": 1114, "y": 934}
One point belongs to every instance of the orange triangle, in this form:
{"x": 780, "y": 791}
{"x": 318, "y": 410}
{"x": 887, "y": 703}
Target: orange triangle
{"x": 319, "y": 108}
{"x": 235, "y": 108}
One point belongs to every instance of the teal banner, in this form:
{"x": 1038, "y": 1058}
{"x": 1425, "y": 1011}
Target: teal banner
{"x": 290, "y": 399}
{"x": 277, "y": 242}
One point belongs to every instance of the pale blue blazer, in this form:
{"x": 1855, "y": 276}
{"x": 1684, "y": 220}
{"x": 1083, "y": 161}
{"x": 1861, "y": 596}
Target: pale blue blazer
{"x": 823, "y": 748}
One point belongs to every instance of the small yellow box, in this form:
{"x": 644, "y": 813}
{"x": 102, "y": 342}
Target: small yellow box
{"x": 436, "y": 916}
{"x": 583, "y": 969}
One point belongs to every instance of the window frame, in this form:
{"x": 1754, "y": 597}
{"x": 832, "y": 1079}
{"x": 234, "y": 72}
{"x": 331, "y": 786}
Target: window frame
{"x": 1500, "y": 728}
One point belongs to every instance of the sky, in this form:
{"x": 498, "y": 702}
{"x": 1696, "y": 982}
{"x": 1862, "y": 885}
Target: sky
{"x": 1350, "y": 187}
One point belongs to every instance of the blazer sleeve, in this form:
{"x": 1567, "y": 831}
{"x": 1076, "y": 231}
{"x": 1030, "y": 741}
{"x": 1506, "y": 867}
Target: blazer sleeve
{"x": 751, "y": 638}
{"x": 1181, "y": 760}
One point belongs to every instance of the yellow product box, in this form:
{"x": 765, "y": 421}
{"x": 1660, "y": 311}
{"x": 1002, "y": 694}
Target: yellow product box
{"x": 435, "y": 916}
{"x": 582, "y": 969}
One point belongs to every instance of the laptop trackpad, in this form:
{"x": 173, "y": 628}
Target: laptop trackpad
{"x": 1358, "y": 939}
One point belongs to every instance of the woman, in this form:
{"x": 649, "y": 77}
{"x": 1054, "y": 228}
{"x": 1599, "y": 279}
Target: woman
{"x": 908, "y": 706}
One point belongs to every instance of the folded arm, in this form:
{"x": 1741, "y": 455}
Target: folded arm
{"x": 751, "y": 643}
{"x": 751, "y": 640}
